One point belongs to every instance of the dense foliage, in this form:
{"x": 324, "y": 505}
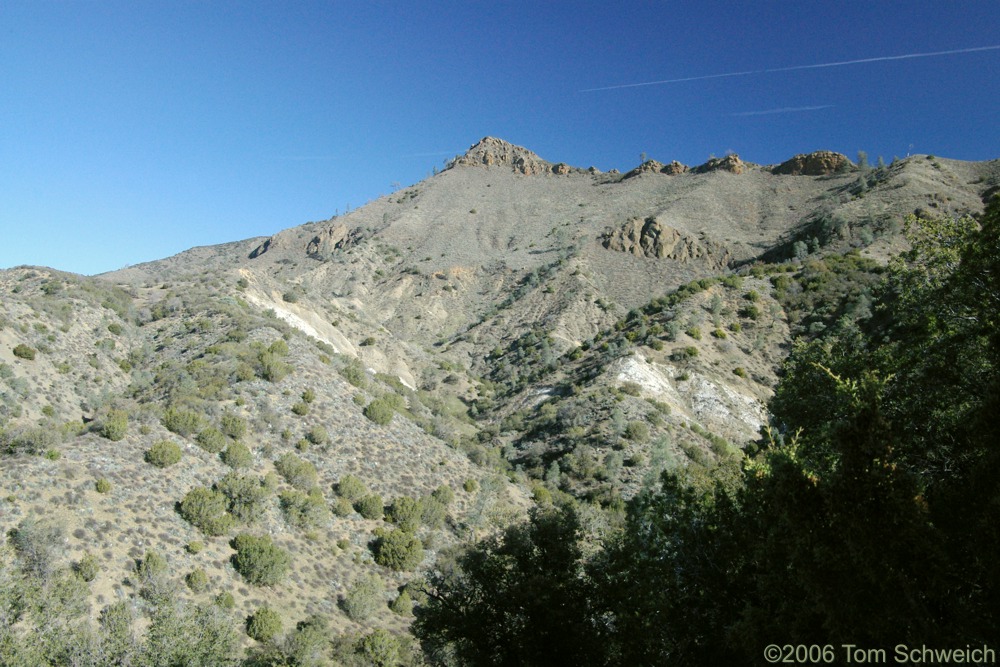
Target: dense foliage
{"x": 865, "y": 515}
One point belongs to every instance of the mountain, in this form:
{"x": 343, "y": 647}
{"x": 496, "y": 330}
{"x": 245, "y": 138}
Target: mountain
{"x": 506, "y": 329}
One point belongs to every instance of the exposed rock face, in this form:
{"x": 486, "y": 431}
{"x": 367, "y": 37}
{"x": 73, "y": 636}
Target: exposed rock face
{"x": 493, "y": 152}
{"x": 337, "y": 237}
{"x": 653, "y": 238}
{"x": 730, "y": 163}
{"x": 820, "y": 163}
{"x": 674, "y": 168}
{"x": 654, "y": 167}
{"x": 647, "y": 167}
{"x": 264, "y": 247}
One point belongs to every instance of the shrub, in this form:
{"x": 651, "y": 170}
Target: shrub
{"x": 304, "y": 510}
{"x": 631, "y": 388}
{"x": 637, "y": 431}
{"x": 182, "y": 422}
{"x": 470, "y": 485}
{"x": 102, "y": 485}
{"x": 151, "y": 567}
{"x": 259, "y": 560}
{"x": 197, "y": 580}
{"x": 317, "y": 435}
{"x": 398, "y": 550}
{"x": 740, "y": 372}
{"x": 432, "y": 512}
{"x": 444, "y": 495}
{"x": 23, "y": 351}
{"x": 364, "y": 598}
{"x": 301, "y": 409}
{"x": 296, "y": 471}
{"x": 264, "y": 625}
{"x": 115, "y": 425}
{"x": 351, "y": 488}
{"x": 354, "y": 373}
{"x": 164, "y": 453}
{"x": 225, "y": 600}
{"x": 370, "y": 507}
{"x": 403, "y": 604}
{"x": 211, "y": 440}
{"x": 206, "y": 509}
{"x": 342, "y": 507}
{"x": 233, "y": 425}
{"x": 308, "y": 396}
{"x": 246, "y": 496}
{"x": 405, "y": 513}
{"x": 237, "y": 455}
{"x": 379, "y": 411}
{"x": 88, "y": 567}
{"x": 694, "y": 332}
{"x": 381, "y": 648}
{"x": 195, "y": 547}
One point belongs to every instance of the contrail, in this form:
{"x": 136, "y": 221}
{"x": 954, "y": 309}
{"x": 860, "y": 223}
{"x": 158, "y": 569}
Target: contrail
{"x": 768, "y": 112}
{"x": 793, "y": 68}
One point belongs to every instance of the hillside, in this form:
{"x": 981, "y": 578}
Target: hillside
{"x": 509, "y": 330}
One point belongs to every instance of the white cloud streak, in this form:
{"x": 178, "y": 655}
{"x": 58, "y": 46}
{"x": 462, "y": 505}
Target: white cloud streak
{"x": 768, "y": 112}
{"x": 794, "y": 68}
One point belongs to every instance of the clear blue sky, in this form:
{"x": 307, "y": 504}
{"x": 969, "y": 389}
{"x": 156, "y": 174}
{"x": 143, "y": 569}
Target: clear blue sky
{"x": 133, "y": 130}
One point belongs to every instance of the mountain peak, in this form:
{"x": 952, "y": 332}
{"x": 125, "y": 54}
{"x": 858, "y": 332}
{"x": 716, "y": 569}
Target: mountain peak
{"x": 494, "y": 152}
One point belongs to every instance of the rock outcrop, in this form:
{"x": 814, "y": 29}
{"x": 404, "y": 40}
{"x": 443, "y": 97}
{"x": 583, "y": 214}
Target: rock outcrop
{"x": 730, "y": 163}
{"x": 655, "y": 239}
{"x": 819, "y": 163}
{"x": 493, "y": 152}
{"x": 654, "y": 167}
{"x": 336, "y": 237}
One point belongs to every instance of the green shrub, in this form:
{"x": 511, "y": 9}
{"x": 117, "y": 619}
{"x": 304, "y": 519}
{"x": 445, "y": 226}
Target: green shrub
{"x": 308, "y": 396}
{"x": 102, "y": 485}
{"x": 182, "y": 422}
{"x": 301, "y": 409}
{"x": 351, "y": 488}
{"x": 354, "y": 373}
{"x": 115, "y": 425}
{"x": 470, "y": 485}
{"x": 264, "y": 625}
{"x": 637, "y": 431}
{"x": 246, "y": 496}
{"x": 342, "y": 507}
{"x": 380, "y": 648}
{"x": 379, "y": 411}
{"x": 720, "y": 334}
{"x": 211, "y": 440}
{"x": 237, "y": 455}
{"x": 740, "y": 372}
{"x": 317, "y": 435}
{"x": 694, "y": 332}
{"x": 115, "y": 328}
{"x": 88, "y": 567}
{"x": 370, "y": 507}
{"x": 403, "y": 604}
{"x": 197, "y": 580}
{"x": 233, "y": 425}
{"x": 225, "y": 600}
{"x": 296, "y": 471}
{"x": 432, "y": 512}
{"x": 398, "y": 550}
{"x": 444, "y": 495}
{"x": 206, "y": 509}
{"x": 405, "y": 513}
{"x": 23, "y": 351}
{"x": 259, "y": 560}
{"x": 364, "y": 598}
{"x": 304, "y": 510}
{"x": 195, "y": 547}
{"x": 163, "y": 453}
{"x": 152, "y": 566}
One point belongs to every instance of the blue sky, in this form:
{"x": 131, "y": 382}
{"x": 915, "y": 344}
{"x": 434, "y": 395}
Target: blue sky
{"x": 133, "y": 130}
